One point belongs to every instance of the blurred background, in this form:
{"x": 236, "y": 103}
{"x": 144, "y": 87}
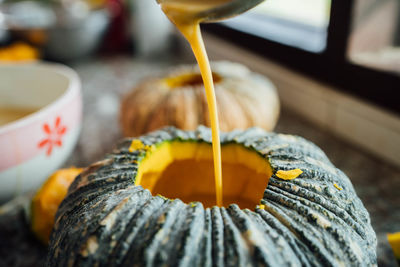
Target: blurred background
{"x": 65, "y": 30}
{"x": 336, "y": 66}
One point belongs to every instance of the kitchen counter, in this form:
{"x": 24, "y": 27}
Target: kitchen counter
{"x": 105, "y": 81}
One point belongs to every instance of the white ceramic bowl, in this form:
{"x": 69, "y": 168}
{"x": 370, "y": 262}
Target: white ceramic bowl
{"x": 35, "y": 145}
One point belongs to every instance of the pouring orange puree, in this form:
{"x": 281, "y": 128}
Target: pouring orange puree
{"x": 182, "y": 14}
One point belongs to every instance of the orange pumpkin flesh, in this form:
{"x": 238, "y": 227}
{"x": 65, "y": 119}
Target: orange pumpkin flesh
{"x": 188, "y": 79}
{"x": 47, "y": 199}
{"x": 184, "y": 170}
{"x": 394, "y": 241}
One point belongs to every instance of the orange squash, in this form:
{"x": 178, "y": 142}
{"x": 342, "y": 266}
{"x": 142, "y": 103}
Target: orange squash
{"x": 47, "y": 199}
{"x": 394, "y": 241}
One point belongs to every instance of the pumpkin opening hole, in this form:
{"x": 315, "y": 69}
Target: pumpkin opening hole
{"x": 189, "y": 79}
{"x": 184, "y": 170}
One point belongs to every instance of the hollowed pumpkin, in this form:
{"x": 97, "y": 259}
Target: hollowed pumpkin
{"x": 177, "y": 98}
{"x": 302, "y": 218}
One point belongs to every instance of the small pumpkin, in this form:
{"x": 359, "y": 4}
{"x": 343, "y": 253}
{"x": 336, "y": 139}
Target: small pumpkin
{"x": 45, "y": 203}
{"x": 177, "y": 98}
{"x": 294, "y": 218}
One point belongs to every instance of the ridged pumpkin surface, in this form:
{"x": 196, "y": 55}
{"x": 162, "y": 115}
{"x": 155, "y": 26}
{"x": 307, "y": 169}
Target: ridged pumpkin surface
{"x": 315, "y": 219}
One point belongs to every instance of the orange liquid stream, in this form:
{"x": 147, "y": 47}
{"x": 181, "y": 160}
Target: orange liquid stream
{"x": 179, "y": 13}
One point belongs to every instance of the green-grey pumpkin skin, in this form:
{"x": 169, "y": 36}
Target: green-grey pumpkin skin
{"x": 106, "y": 220}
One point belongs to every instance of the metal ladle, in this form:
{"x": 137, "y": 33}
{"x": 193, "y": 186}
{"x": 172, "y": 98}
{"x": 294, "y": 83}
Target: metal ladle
{"x": 219, "y": 12}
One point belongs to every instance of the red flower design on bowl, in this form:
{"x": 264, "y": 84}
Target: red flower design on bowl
{"x": 54, "y": 136}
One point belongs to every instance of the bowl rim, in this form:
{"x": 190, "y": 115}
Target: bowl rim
{"x": 72, "y": 89}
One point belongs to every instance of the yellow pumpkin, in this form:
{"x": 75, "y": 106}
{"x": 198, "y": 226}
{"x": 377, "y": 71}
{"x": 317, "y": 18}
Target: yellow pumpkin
{"x": 244, "y": 99}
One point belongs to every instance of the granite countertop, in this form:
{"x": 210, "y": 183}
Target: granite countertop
{"x": 105, "y": 81}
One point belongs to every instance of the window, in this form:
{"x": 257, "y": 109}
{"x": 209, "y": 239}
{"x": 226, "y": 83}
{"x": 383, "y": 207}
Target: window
{"x": 375, "y": 35}
{"x": 301, "y": 24}
{"x": 350, "y": 44}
